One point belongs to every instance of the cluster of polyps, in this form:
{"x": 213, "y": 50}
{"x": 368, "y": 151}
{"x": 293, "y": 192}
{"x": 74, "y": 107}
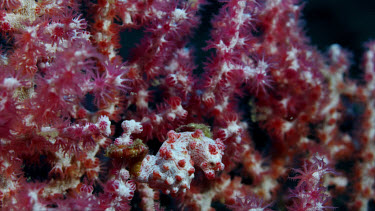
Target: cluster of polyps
{"x": 172, "y": 168}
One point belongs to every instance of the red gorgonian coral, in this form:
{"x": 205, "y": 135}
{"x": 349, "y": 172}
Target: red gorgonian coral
{"x": 83, "y": 127}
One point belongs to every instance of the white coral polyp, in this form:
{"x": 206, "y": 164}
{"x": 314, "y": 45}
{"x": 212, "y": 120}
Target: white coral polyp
{"x": 104, "y": 125}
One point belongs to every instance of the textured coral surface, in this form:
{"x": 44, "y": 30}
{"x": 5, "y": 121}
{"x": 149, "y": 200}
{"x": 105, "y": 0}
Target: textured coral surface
{"x": 266, "y": 122}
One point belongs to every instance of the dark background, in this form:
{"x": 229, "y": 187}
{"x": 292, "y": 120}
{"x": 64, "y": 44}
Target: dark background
{"x": 350, "y": 23}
